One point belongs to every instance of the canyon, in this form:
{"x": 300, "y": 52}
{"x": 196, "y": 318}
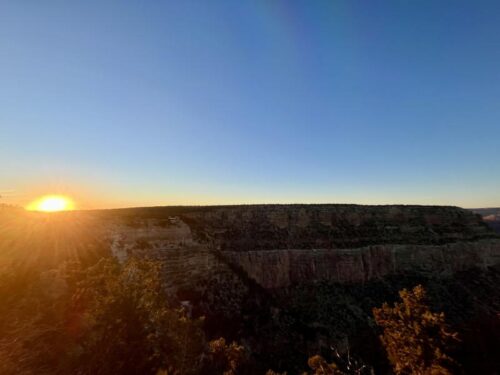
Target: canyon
{"x": 287, "y": 281}
{"x": 278, "y": 246}
{"x": 291, "y": 280}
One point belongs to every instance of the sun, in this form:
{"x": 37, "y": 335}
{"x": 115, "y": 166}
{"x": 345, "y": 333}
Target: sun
{"x": 51, "y": 203}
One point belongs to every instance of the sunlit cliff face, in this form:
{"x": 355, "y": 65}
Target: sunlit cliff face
{"x": 51, "y": 203}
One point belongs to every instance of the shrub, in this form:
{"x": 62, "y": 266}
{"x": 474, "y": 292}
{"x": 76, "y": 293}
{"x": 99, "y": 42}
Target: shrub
{"x": 416, "y": 339}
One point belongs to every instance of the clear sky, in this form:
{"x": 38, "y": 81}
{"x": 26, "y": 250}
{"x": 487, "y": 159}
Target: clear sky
{"x": 127, "y": 103}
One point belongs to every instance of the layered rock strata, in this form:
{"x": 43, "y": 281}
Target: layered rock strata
{"x": 281, "y": 245}
{"x": 283, "y": 268}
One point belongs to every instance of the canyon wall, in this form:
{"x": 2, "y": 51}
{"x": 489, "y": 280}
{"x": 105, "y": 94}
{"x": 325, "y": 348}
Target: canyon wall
{"x": 246, "y": 228}
{"x": 283, "y": 268}
{"x": 281, "y": 245}
{"x": 187, "y": 264}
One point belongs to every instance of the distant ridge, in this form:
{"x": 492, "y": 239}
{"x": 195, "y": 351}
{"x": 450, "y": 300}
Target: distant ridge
{"x": 490, "y": 215}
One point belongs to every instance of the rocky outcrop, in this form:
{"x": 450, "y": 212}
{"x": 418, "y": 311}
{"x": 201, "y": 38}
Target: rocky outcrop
{"x": 187, "y": 264}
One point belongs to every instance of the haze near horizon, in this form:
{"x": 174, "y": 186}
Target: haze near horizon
{"x": 134, "y": 104}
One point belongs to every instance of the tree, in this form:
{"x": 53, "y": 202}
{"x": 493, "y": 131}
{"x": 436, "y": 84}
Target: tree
{"x": 416, "y": 339}
{"x": 321, "y": 367}
{"x": 130, "y": 327}
{"x": 225, "y": 359}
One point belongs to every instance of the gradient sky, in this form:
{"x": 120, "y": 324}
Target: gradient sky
{"x": 127, "y": 103}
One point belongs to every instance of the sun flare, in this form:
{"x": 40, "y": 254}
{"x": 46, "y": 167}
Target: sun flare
{"x": 51, "y": 203}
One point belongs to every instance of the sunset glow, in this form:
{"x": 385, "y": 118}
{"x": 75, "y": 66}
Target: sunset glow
{"x": 51, "y": 203}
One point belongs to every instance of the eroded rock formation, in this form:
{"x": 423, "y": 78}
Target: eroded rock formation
{"x": 281, "y": 245}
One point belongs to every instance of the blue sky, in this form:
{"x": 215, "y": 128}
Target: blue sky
{"x": 126, "y": 103}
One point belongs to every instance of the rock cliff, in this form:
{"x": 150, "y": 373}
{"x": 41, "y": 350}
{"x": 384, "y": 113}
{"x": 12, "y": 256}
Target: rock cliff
{"x": 282, "y": 268}
{"x": 281, "y": 245}
{"x": 244, "y": 228}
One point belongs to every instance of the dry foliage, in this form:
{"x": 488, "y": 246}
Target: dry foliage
{"x": 226, "y": 358}
{"x": 415, "y": 338}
